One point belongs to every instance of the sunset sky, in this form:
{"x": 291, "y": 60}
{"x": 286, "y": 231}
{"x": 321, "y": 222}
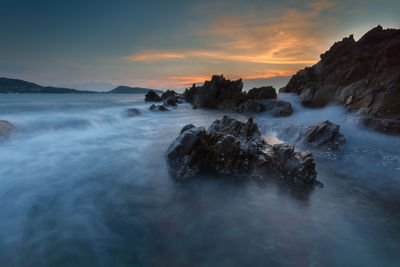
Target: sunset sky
{"x": 170, "y": 44}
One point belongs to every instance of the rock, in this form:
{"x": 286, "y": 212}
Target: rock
{"x": 187, "y": 127}
{"x": 188, "y": 95}
{"x": 274, "y": 107}
{"x": 158, "y": 107}
{"x": 170, "y": 101}
{"x": 133, "y": 112}
{"x": 231, "y": 147}
{"x": 266, "y": 92}
{"x": 219, "y": 93}
{"x": 251, "y": 107}
{"x": 151, "y": 96}
{"x": 278, "y": 108}
{"x": 169, "y": 94}
{"x": 6, "y": 128}
{"x": 323, "y": 135}
{"x": 386, "y": 126}
{"x": 362, "y": 75}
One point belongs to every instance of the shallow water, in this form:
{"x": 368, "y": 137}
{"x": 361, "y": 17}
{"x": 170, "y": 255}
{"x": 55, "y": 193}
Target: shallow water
{"x": 83, "y": 184}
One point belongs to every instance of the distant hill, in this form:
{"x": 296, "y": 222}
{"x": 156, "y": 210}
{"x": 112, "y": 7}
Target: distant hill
{"x": 132, "y": 90}
{"x": 23, "y": 87}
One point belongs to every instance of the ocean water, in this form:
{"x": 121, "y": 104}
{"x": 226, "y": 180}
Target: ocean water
{"x": 83, "y": 184}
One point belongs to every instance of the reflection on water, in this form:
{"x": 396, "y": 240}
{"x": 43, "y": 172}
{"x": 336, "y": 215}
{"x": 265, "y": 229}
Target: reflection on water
{"x": 83, "y": 184}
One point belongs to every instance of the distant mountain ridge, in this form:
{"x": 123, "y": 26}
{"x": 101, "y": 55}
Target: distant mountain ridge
{"x": 132, "y": 90}
{"x": 12, "y": 86}
{"x": 8, "y": 86}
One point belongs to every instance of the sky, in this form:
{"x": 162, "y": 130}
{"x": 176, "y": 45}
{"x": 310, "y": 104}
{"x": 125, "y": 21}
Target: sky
{"x": 172, "y": 44}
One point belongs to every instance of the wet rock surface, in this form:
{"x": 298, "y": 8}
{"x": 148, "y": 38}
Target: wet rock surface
{"x": 230, "y": 147}
{"x": 362, "y": 75}
{"x": 152, "y": 96}
{"x": 323, "y": 135}
{"x": 386, "y": 126}
{"x": 223, "y": 94}
{"x": 6, "y": 128}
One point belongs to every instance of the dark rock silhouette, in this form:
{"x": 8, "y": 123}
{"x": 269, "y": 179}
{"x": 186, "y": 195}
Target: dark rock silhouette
{"x": 362, "y": 75}
{"x": 267, "y": 92}
{"x": 220, "y": 93}
{"x": 231, "y": 147}
{"x": 152, "y": 96}
{"x": 6, "y": 128}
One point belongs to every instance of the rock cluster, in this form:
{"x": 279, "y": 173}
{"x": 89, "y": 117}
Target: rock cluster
{"x": 362, "y": 75}
{"x": 220, "y": 93}
{"x": 231, "y": 147}
{"x": 6, "y": 128}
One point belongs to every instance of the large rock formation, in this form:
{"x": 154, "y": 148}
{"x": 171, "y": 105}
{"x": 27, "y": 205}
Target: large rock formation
{"x": 230, "y": 147}
{"x": 362, "y": 75}
{"x": 152, "y": 96}
{"x": 6, "y": 128}
{"x": 220, "y": 93}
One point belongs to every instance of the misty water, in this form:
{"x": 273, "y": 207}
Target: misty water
{"x": 82, "y": 183}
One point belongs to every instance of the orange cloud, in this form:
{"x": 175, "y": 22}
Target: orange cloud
{"x": 253, "y": 45}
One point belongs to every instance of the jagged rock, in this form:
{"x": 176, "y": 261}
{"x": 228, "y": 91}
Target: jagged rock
{"x": 218, "y": 93}
{"x": 266, "y": 92}
{"x": 230, "y": 147}
{"x": 386, "y": 126}
{"x": 362, "y": 75}
{"x": 168, "y": 94}
{"x": 158, "y": 107}
{"x": 133, "y": 112}
{"x": 6, "y": 128}
{"x": 152, "y": 96}
{"x": 323, "y": 135}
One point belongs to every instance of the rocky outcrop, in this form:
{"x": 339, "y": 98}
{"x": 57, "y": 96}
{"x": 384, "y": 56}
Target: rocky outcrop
{"x": 220, "y": 93}
{"x": 158, "y": 107}
{"x": 362, "y": 75}
{"x": 6, "y": 128}
{"x": 323, "y": 135}
{"x": 231, "y": 147}
{"x": 152, "y": 96}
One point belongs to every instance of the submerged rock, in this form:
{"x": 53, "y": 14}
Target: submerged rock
{"x": 362, "y": 75}
{"x": 152, "y": 96}
{"x": 386, "y": 126}
{"x": 158, "y": 107}
{"x": 170, "y": 101}
{"x": 6, "y": 128}
{"x": 323, "y": 135}
{"x": 133, "y": 112}
{"x": 231, "y": 147}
